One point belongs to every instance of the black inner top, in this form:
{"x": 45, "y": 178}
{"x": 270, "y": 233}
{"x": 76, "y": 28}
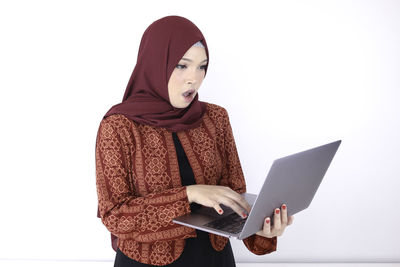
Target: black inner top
{"x": 187, "y": 175}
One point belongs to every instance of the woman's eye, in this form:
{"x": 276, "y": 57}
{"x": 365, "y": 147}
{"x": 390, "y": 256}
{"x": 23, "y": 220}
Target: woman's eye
{"x": 179, "y": 66}
{"x": 182, "y": 66}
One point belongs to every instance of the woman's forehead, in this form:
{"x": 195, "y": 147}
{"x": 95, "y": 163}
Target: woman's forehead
{"x": 195, "y": 53}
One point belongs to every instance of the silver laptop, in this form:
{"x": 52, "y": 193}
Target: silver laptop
{"x": 292, "y": 180}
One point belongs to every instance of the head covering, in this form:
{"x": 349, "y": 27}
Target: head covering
{"x": 199, "y": 44}
{"x": 146, "y": 98}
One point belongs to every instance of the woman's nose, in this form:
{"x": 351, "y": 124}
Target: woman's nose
{"x": 192, "y": 77}
{"x": 191, "y": 80}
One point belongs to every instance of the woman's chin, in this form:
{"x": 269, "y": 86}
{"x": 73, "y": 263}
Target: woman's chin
{"x": 184, "y": 102}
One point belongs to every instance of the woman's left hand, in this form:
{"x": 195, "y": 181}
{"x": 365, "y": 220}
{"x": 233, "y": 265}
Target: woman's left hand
{"x": 281, "y": 220}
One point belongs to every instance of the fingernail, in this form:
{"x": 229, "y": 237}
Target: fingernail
{"x": 283, "y": 206}
{"x": 220, "y": 211}
{"x": 244, "y": 215}
{"x": 267, "y": 220}
{"x": 277, "y": 211}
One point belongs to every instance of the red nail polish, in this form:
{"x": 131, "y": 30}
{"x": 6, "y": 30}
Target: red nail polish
{"x": 277, "y": 211}
{"x": 283, "y": 206}
{"x": 244, "y": 215}
{"x": 220, "y": 211}
{"x": 267, "y": 220}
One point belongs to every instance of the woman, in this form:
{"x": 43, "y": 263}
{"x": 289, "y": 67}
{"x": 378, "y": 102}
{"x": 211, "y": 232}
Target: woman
{"x": 161, "y": 152}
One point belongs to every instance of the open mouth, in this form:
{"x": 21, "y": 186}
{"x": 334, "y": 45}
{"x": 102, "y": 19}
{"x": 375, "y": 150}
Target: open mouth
{"x": 188, "y": 95}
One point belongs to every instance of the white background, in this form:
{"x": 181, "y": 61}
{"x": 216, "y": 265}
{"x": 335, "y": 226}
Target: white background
{"x": 292, "y": 75}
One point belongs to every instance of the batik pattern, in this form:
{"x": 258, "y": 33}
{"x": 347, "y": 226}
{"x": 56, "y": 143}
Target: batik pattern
{"x": 139, "y": 186}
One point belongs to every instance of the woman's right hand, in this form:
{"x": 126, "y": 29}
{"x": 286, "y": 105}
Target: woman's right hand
{"x": 214, "y": 195}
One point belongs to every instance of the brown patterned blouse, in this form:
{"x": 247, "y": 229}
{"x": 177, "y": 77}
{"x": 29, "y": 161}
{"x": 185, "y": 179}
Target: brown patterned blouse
{"x": 139, "y": 186}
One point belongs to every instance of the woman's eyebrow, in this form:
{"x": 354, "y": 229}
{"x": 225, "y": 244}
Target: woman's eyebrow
{"x": 188, "y": 59}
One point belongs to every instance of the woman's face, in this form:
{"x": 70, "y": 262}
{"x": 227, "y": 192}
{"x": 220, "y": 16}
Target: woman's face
{"x": 187, "y": 77}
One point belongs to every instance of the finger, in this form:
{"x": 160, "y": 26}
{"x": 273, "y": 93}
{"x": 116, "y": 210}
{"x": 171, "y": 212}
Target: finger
{"x": 284, "y": 216}
{"x": 243, "y": 203}
{"x": 267, "y": 226}
{"x": 234, "y": 206}
{"x": 238, "y": 198}
{"x": 218, "y": 208}
{"x": 277, "y": 221}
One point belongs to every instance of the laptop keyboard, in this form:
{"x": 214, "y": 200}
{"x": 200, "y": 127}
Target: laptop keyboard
{"x": 232, "y": 223}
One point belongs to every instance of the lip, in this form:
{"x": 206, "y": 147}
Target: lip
{"x": 190, "y": 97}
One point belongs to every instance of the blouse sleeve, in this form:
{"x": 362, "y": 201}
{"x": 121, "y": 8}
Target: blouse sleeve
{"x": 123, "y": 212}
{"x": 233, "y": 177}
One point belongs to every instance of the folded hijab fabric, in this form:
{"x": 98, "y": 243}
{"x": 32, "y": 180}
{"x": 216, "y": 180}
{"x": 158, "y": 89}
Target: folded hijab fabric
{"x": 146, "y": 99}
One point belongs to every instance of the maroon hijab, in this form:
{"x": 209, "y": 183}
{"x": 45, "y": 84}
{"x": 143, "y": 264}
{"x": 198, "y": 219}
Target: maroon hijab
{"x": 146, "y": 98}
